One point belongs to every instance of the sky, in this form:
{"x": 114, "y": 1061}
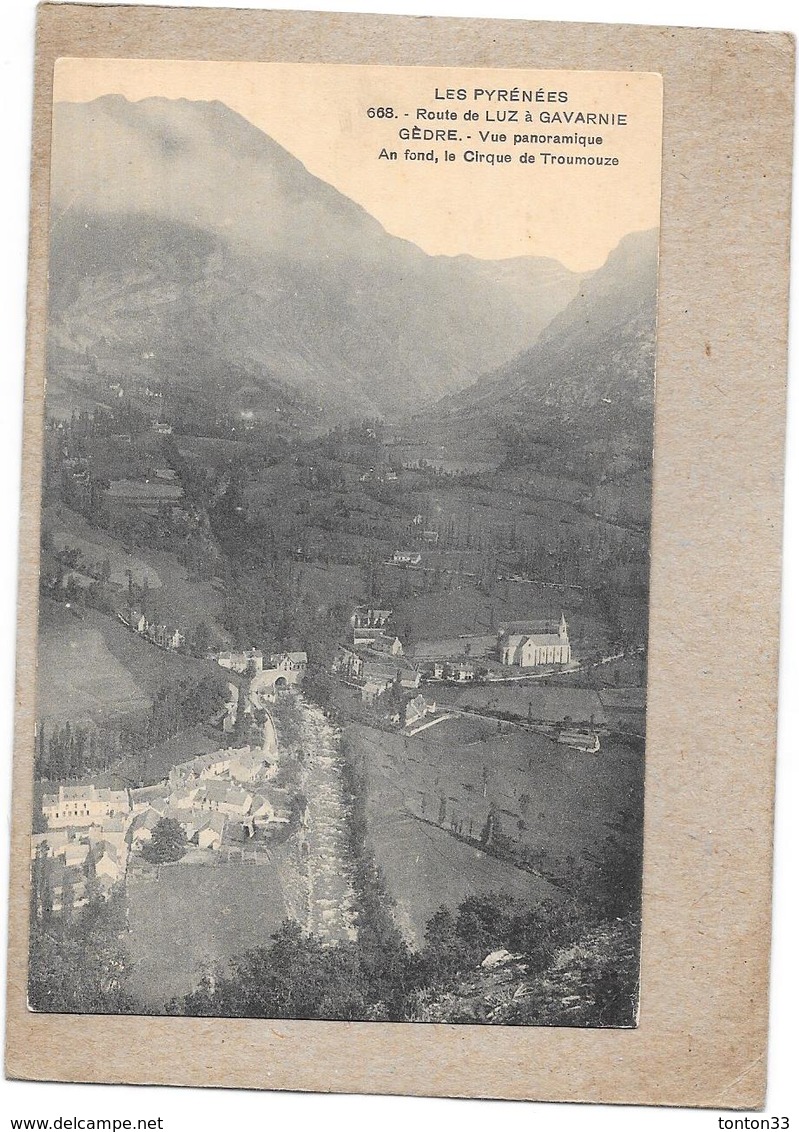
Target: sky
{"x": 320, "y": 113}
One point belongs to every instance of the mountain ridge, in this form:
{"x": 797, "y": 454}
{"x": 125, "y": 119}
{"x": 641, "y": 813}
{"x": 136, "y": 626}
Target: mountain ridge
{"x": 295, "y": 279}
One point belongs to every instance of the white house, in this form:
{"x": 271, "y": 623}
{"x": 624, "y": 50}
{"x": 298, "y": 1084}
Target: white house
{"x": 82, "y": 805}
{"x": 211, "y": 830}
{"x": 107, "y": 862}
{"x": 141, "y": 828}
{"x": 406, "y": 558}
{"x": 416, "y": 709}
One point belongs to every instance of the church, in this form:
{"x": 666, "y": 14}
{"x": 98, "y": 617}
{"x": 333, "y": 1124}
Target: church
{"x": 528, "y": 644}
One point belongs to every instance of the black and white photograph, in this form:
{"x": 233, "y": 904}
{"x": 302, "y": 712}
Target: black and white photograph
{"x": 345, "y": 543}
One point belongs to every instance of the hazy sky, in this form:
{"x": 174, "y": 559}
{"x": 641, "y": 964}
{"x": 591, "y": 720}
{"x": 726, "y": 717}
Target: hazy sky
{"x": 319, "y": 113}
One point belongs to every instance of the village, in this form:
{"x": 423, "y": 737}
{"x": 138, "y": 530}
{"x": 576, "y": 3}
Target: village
{"x": 311, "y": 662}
{"x": 228, "y": 800}
{"x": 222, "y": 801}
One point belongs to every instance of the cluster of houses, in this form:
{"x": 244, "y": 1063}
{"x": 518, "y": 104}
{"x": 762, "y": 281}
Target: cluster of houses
{"x": 379, "y": 473}
{"x": 373, "y": 661}
{"x": 203, "y": 795}
{"x": 162, "y": 634}
{"x": 269, "y": 674}
{"x": 93, "y": 831}
{"x": 86, "y": 840}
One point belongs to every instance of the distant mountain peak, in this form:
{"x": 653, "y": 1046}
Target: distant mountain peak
{"x": 267, "y": 267}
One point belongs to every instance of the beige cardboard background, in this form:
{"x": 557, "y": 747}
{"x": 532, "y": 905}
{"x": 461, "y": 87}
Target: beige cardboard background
{"x": 717, "y": 511}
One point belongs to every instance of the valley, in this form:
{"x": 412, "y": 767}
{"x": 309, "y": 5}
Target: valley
{"x": 380, "y": 516}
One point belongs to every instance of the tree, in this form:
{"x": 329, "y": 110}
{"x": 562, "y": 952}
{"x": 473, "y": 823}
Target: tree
{"x": 168, "y": 842}
{"x": 202, "y": 638}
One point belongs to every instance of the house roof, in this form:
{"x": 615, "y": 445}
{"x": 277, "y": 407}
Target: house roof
{"x": 224, "y": 792}
{"x": 182, "y": 814}
{"x": 87, "y": 792}
{"x": 544, "y": 626}
{"x": 148, "y": 820}
{"x": 384, "y": 642}
{"x": 245, "y": 761}
{"x": 115, "y": 824}
{"x": 213, "y": 821}
{"x": 56, "y": 839}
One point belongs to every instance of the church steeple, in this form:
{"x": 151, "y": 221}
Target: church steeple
{"x": 563, "y": 628}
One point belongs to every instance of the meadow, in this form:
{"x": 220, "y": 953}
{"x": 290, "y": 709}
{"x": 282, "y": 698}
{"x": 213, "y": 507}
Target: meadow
{"x": 91, "y": 668}
{"x": 430, "y": 798}
{"x": 189, "y": 918}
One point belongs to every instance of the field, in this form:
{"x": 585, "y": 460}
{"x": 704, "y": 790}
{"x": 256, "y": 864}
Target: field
{"x": 92, "y": 668}
{"x": 173, "y": 595}
{"x": 428, "y": 794}
{"x": 550, "y": 704}
{"x": 191, "y": 917}
{"x": 69, "y": 531}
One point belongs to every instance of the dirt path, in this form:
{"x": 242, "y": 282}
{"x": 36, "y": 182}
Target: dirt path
{"x": 331, "y": 899}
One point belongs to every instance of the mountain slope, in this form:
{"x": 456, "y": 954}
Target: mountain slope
{"x": 599, "y": 350}
{"x": 183, "y": 233}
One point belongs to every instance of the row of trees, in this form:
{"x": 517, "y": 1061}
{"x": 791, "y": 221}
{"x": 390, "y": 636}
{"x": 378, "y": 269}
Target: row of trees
{"x": 70, "y": 750}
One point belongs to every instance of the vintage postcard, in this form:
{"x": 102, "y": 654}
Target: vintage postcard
{"x": 377, "y": 711}
{"x": 344, "y": 576}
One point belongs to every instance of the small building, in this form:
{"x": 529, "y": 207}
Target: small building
{"x": 262, "y": 811}
{"x": 294, "y": 662}
{"x": 370, "y": 617}
{"x": 137, "y": 621}
{"x": 406, "y": 558}
{"x": 250, "y": 660}
{"x": 387, "y": 644}
{"x": 225, "y": 798}
{"x": 140, "y": 830}
{"x": 210, "y": 831}
{"x": 246, "y": 765}
{"x": 189, "y": 820}
{"x": 107, "y": 862}
{"x": 416, "y": 709}
{"x": 348, "y": 664}
{"x": 364, "y": 637}
{"x": 166, "y": 636}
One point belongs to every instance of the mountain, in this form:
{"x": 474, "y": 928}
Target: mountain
{"x": 599, "y": 351}
{"x": 189, "y": 245}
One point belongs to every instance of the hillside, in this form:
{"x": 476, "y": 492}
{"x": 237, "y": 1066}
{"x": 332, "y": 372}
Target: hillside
{"x": 187, "y": 245}
{"x": 595, "y": 357}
